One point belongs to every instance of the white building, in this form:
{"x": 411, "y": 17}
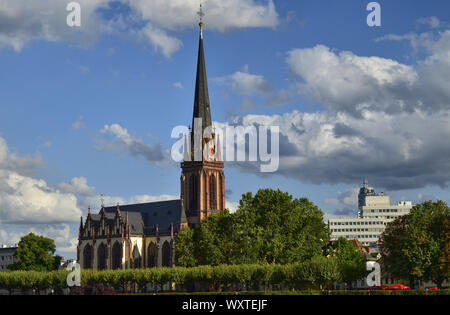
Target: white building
{"x": 7, "y": 257}
{"x": 375, "y": 212}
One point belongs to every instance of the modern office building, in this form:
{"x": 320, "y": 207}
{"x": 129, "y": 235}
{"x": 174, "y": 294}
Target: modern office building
{"x": 375, "y": 212}
{"x": 7, "y": 257}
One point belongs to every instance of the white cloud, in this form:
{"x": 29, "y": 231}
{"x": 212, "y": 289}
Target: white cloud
{"x": 178, "y": 85}
{"x": 28, "y": 200}
{"x": 22, "y": 21}
{"x": 220, "y": 15}
{"x": 160, "y": 40}
{"x": 346, "y": 82}
{"x": 232, "y": 206}
{"x": 77, "y": 186}
{"x": 431, "y": 21}
{"x": 118, "y": 140}
{"x": 78, "y": 124}
{"x": 248, "y": 85}
{"x": 24, "y": 199}
{"x": 11, "y": 161}
{"x": 394, "y": 151}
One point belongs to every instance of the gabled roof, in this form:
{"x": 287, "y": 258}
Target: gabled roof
{"x": 144, "y": 217}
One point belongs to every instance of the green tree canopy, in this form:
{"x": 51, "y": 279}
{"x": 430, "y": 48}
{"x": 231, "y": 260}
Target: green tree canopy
{"x": 35, "y": 252}
{"x": 269, "y": 227}
{"x": 413, "y": 245}
{"x": 350, "y": 260}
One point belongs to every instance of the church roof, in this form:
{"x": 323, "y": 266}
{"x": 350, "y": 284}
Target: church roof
{"x": 144, "y": 217}
{"x": 201, "y": 101}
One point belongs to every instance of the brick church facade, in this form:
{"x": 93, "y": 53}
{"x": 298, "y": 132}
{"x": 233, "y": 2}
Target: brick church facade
{"x": 144, "y": 235}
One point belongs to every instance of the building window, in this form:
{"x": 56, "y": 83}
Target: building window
{"x": 212, "y": 193}
{"x": 166, "y": 255}
{"x": 117, "y": 256}
{"x": 193, "y": 198}
{"x": 152, "y": 255}
{"x": 101, "y": 254}
{"x": 87, "y": 257}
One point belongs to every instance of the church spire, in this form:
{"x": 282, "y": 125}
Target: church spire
{"x": 201, "y": 101}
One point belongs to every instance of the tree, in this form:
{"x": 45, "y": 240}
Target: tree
{"x": 413, "y": 245}
{"x": 350, "y": 260}
{"x": 282, "y": 229}
{"x": 270, "y": 227}
{"x": 184, "y": 248}
{"x": 35, "y": 253}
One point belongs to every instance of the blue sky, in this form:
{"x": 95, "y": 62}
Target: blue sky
{"x": 370, "y": 102}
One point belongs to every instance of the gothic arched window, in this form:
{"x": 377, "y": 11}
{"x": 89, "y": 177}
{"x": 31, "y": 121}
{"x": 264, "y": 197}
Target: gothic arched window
{"x": 212, "y": 193}
{"x": 136, "y": 257}
{"x": 193, "y": 187}
{"x": 152, "y": 255}
{"x": 101, "y": 254}
{"x": 117, "y": 256}
{"x": 87, "y": 257}
{"x": 166, "y": 255}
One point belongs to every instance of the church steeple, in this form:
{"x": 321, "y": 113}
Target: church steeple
{"x": 202, "y": 179}
{"x": 201, "y": 101}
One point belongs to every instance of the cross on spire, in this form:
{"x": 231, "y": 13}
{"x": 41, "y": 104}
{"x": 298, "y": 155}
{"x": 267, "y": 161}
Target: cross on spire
{"x": 201, "y": 14}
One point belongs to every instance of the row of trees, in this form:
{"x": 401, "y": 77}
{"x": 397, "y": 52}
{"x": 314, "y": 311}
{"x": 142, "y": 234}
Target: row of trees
{"x": 318, "y": 272}
{"x": 416, "y": 246}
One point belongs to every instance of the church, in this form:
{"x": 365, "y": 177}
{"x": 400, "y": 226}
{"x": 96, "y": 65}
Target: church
{"x": 144, "y": 235}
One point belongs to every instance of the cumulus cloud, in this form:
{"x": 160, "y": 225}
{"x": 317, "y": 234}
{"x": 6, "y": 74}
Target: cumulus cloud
{"x": 118, "y": 140}
{"x": 249, "y": 85}
{"x": 221, "y": 15}
{"x": 347, "y": 82}
{"x": 11, "y": 161}
{"x": 28, "y": 200}
{"x": 24, "y": 199}
{"x": 22, "y": 21}
{"x": 406, "y": 150}
{"x": 161, "y": 40}
{"x": 345, "y": 203}
{"x": 156, "y": 21}
{"x": 77, "y": 186}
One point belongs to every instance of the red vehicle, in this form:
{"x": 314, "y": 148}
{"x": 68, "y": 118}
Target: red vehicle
{"x": 398, "y": 287}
